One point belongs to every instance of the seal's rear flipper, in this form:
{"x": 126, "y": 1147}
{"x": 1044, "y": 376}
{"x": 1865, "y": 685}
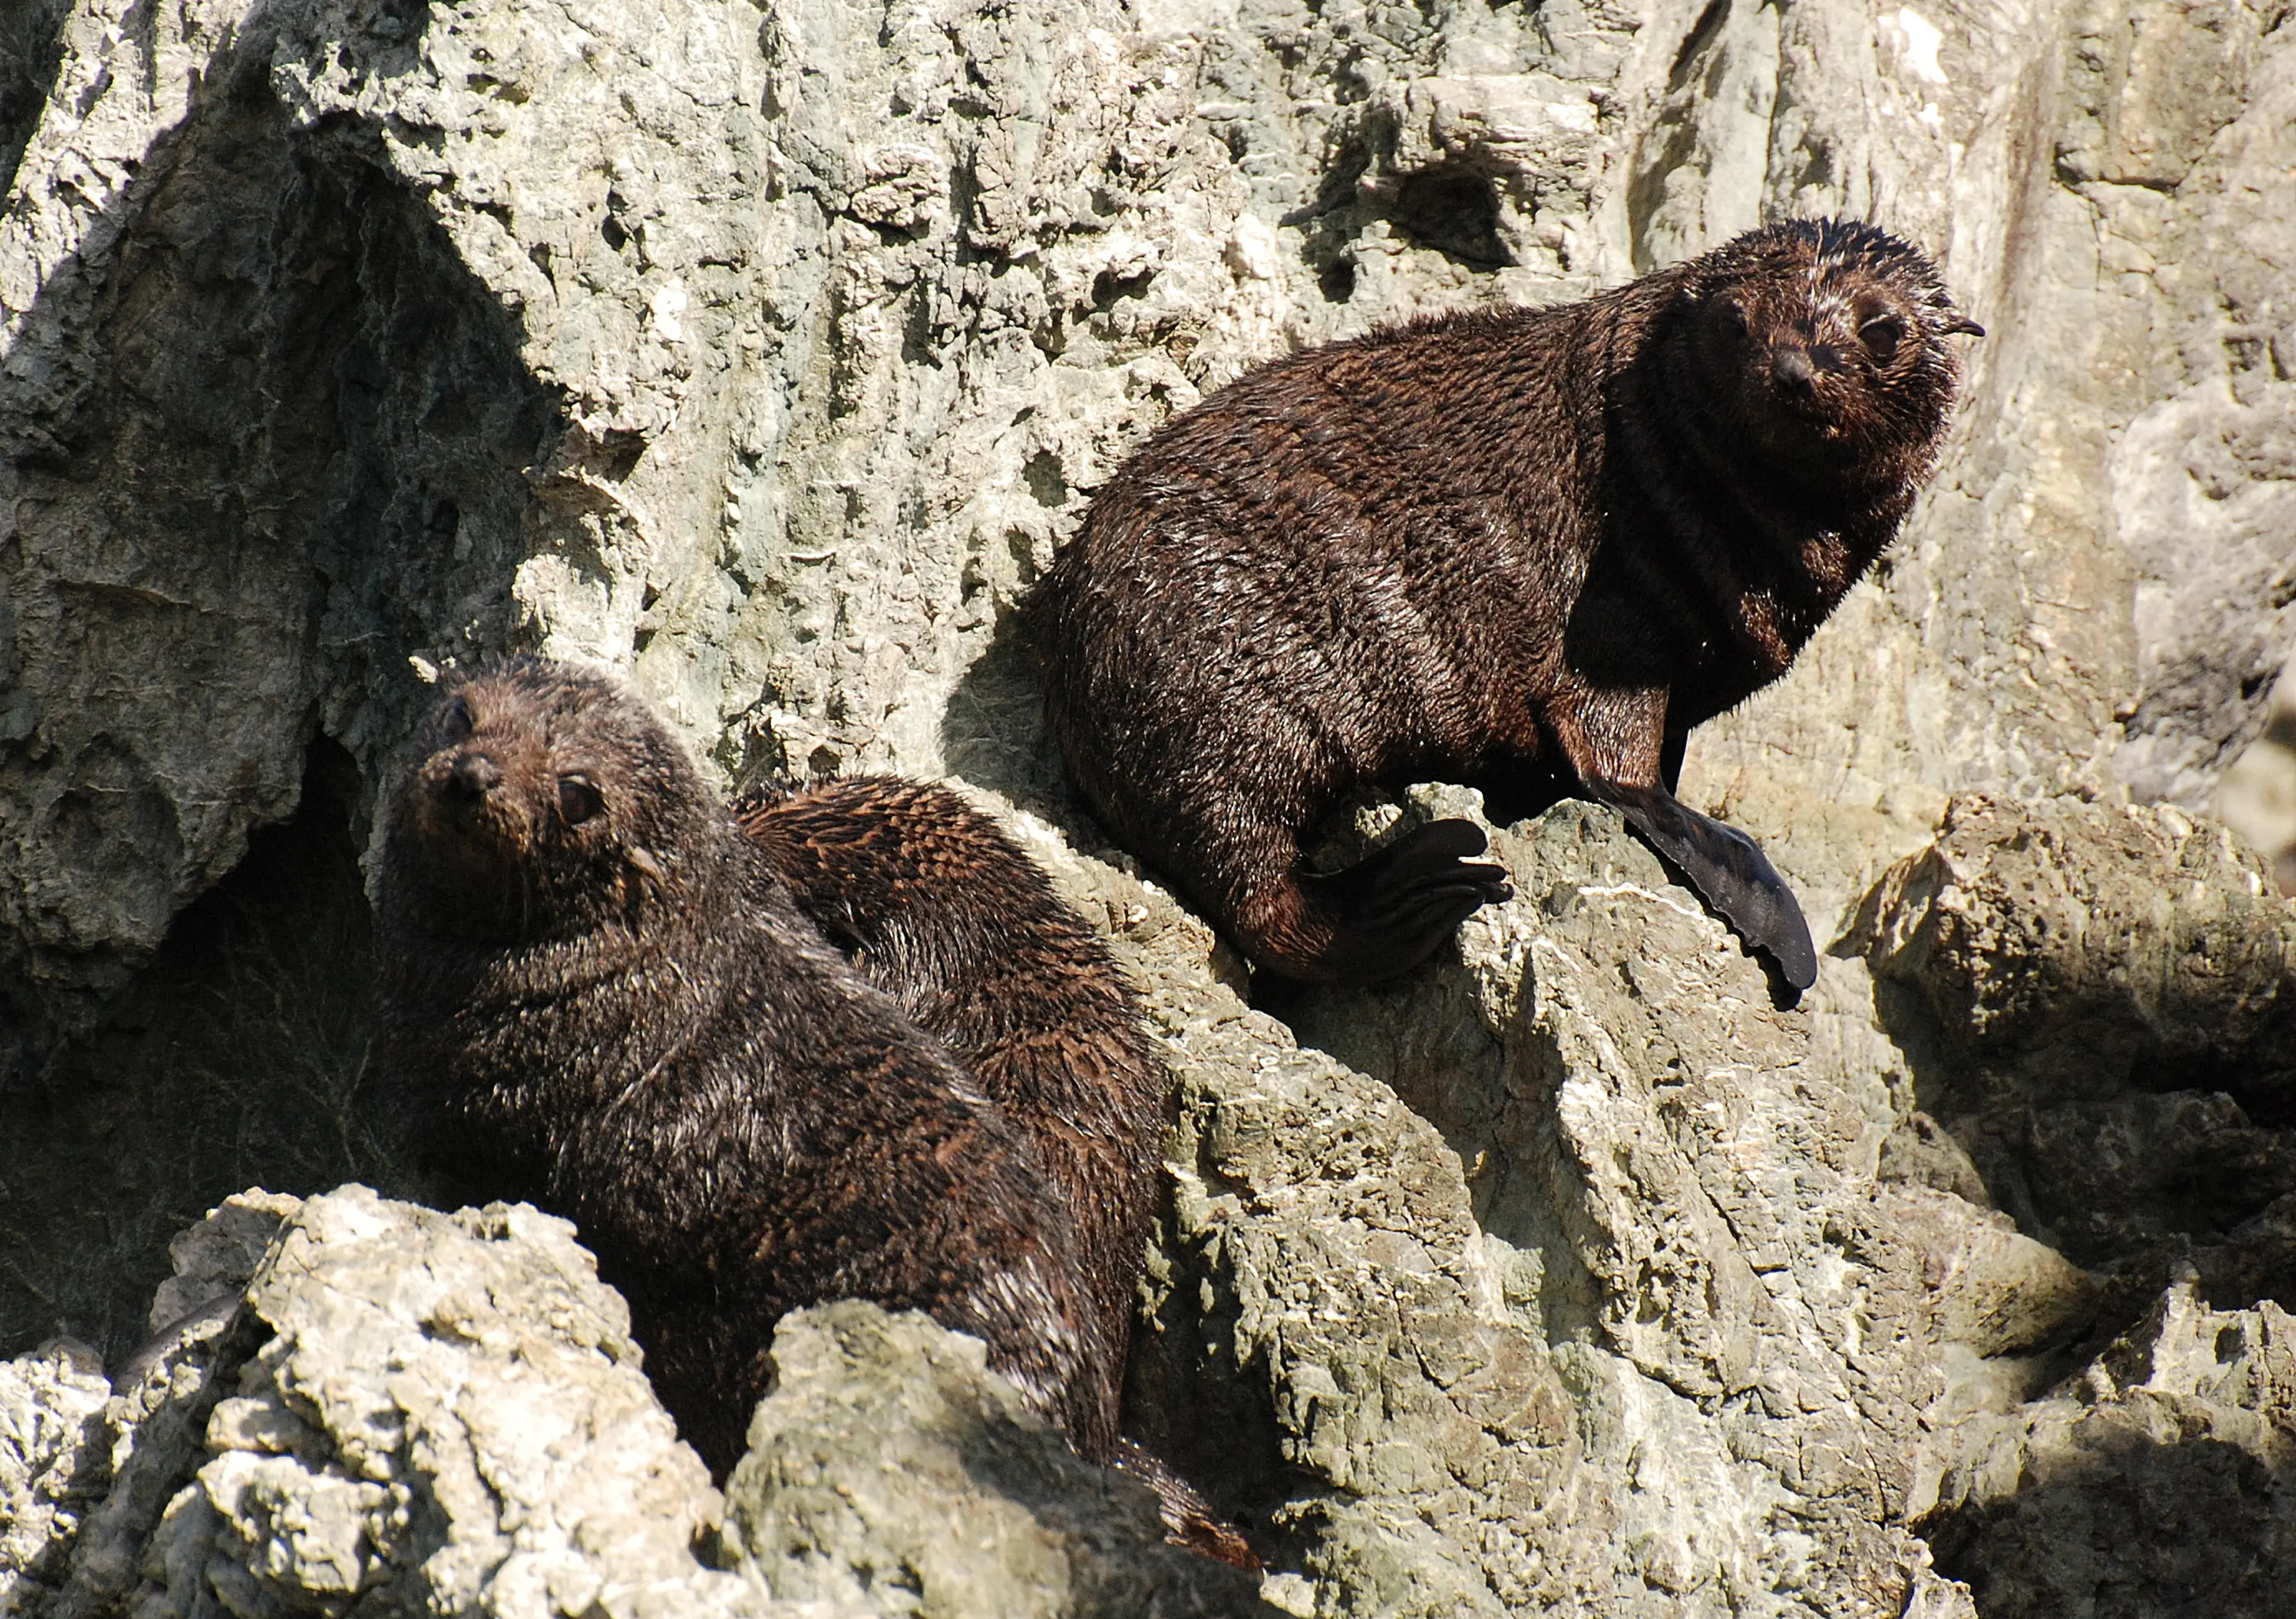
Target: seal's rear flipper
{"x": 1189, "y": 1520}
{"x": 1729, "y": 870}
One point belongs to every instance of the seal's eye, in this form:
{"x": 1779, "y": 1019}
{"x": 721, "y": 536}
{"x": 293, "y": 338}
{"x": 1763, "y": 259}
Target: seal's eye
{"x": 456, "y": 725}
{"x": 1732, "y": 313}
{"x": 577, "y": 799}
{"x": 1881, "y": 335}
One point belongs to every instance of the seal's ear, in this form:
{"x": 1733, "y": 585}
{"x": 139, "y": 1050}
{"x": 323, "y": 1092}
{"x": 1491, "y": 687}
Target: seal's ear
{"x": 1960, "y": 322}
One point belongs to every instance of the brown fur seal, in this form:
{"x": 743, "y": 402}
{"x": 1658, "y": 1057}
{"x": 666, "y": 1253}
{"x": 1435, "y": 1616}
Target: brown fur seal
{"x": 598, "y": 997}
{"x": 947, "y": 915}
{"x": 1523, "y": 549}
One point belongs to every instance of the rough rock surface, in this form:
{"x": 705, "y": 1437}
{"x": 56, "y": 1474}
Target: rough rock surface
{"x": 416, "y": 1412}
{"x": 1412, "y": 1321}
{"x": 1677, "y": 1187}
{"x": 2155, "y": 1483}
{"x": 769, "y": 352}
{"x": 352, "y": 1402}
{"x": 889, "y": 1470}
{"x": 51, "y": 1453}
{"x": 2099, "y": 1009}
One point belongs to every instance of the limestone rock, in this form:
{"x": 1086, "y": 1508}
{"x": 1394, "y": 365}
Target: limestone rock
{"x": 424, "y": 1413}
{"x": 2154, "y": 1477}
{"x": 162, "y": 1396}
{"x": 51, "y": 1465}
{"x": 410, "y": 1413}
{"x": 1677, "y": 1184}
{"x": 890, "y": 1473}
{"x": 2088, "y": 599}
{"x": 2029, "y": 928}
{"x": 2098, "y": 1004}
{"x": 2096, "y": 999}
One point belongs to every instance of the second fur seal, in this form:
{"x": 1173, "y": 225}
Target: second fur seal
{"x": 1525, "y": 550}
{"x": 597, "y": 996}
{"x": 946, "y": 914}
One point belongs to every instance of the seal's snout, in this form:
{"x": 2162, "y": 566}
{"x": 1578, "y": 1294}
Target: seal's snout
{"x": 473, "y": 777}
{"x": 1792, "y": 367}
{"x": 469, "y": 800}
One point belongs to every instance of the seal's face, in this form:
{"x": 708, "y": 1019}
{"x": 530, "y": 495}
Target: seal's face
{"x": 546, "y": 801}
{"x": 1830, "y": 339}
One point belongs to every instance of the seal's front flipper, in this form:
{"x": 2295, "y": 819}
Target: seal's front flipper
{"x": 1390, "y": 912}
{"x": 1728, "y": 869}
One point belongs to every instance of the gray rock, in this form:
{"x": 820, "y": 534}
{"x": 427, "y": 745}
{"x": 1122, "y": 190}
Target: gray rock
{"x": 2101, "y": 1003}
{"x": 156, "y": 1422}
{"x": 424, "y": 1413}
{"x": 1680, "y": 1186}
{"x": 2130, "y": 936}
{"x": 1598, "y": 1284}
{"x": 770, "y": 354}
{"x": 407, "y": 1412}
{"x": 2099, "y": 1000}
{"x": 2148, "y": 1484}
{"x": 52, "y": 1466}
{"x": 890, "y": 1473}
{"x": 2087, "y": 600}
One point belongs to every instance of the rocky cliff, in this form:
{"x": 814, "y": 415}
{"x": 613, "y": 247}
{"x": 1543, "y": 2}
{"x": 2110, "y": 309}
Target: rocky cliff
{"x": 770, "y": 353}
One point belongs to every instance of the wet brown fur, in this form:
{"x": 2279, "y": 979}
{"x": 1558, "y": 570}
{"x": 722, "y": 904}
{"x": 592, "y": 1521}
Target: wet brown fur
{"x": 598, "y": 997}
{"x": 946, "y": 914}
{"x": 1523, "y": 549}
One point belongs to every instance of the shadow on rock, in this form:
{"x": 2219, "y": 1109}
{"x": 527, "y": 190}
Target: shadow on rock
{"x": 240, "y": 1058}
{"x": 2099, "y": 1011}
{"x": 889, "y": 1456}
{"x": 263, "y": 431}
{"x": 992, "y": 734}
{"x": 2159, "y": 1484}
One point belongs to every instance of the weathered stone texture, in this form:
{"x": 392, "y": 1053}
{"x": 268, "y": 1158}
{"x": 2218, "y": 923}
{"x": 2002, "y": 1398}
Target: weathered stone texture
{"x": 890, "y": 1472}
{"x": 419, "y": 1412}
{"x": 770, "y": 352}
{"x": 2156, "y": 1478}
{"x": 51, "y": 1465}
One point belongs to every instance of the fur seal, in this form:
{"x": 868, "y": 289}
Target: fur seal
{"x": 943, "y": 911}
{"x": 1523, "y": 550}
{"x": 597, "y": 997}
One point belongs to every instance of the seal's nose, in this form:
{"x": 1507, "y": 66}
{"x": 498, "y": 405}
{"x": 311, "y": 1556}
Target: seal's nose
{"x": 1793, "y": 369}
{"x": 474, "y": 775}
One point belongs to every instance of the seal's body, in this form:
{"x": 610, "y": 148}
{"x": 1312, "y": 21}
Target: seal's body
{"x": 947, "y": 915}
{"x": 944, "y": 913}
{"x": 598, "y": 998}
{"x": 1525, "y": 550}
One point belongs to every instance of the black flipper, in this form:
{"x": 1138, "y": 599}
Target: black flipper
{"x": 1729, "y": 870}
{"x": 1396, "y": 906}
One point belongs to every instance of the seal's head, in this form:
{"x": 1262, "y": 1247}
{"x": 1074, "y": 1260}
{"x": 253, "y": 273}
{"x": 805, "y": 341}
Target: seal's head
{"x": 1828, "y": 339}
{"x": 548, "y": 800}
